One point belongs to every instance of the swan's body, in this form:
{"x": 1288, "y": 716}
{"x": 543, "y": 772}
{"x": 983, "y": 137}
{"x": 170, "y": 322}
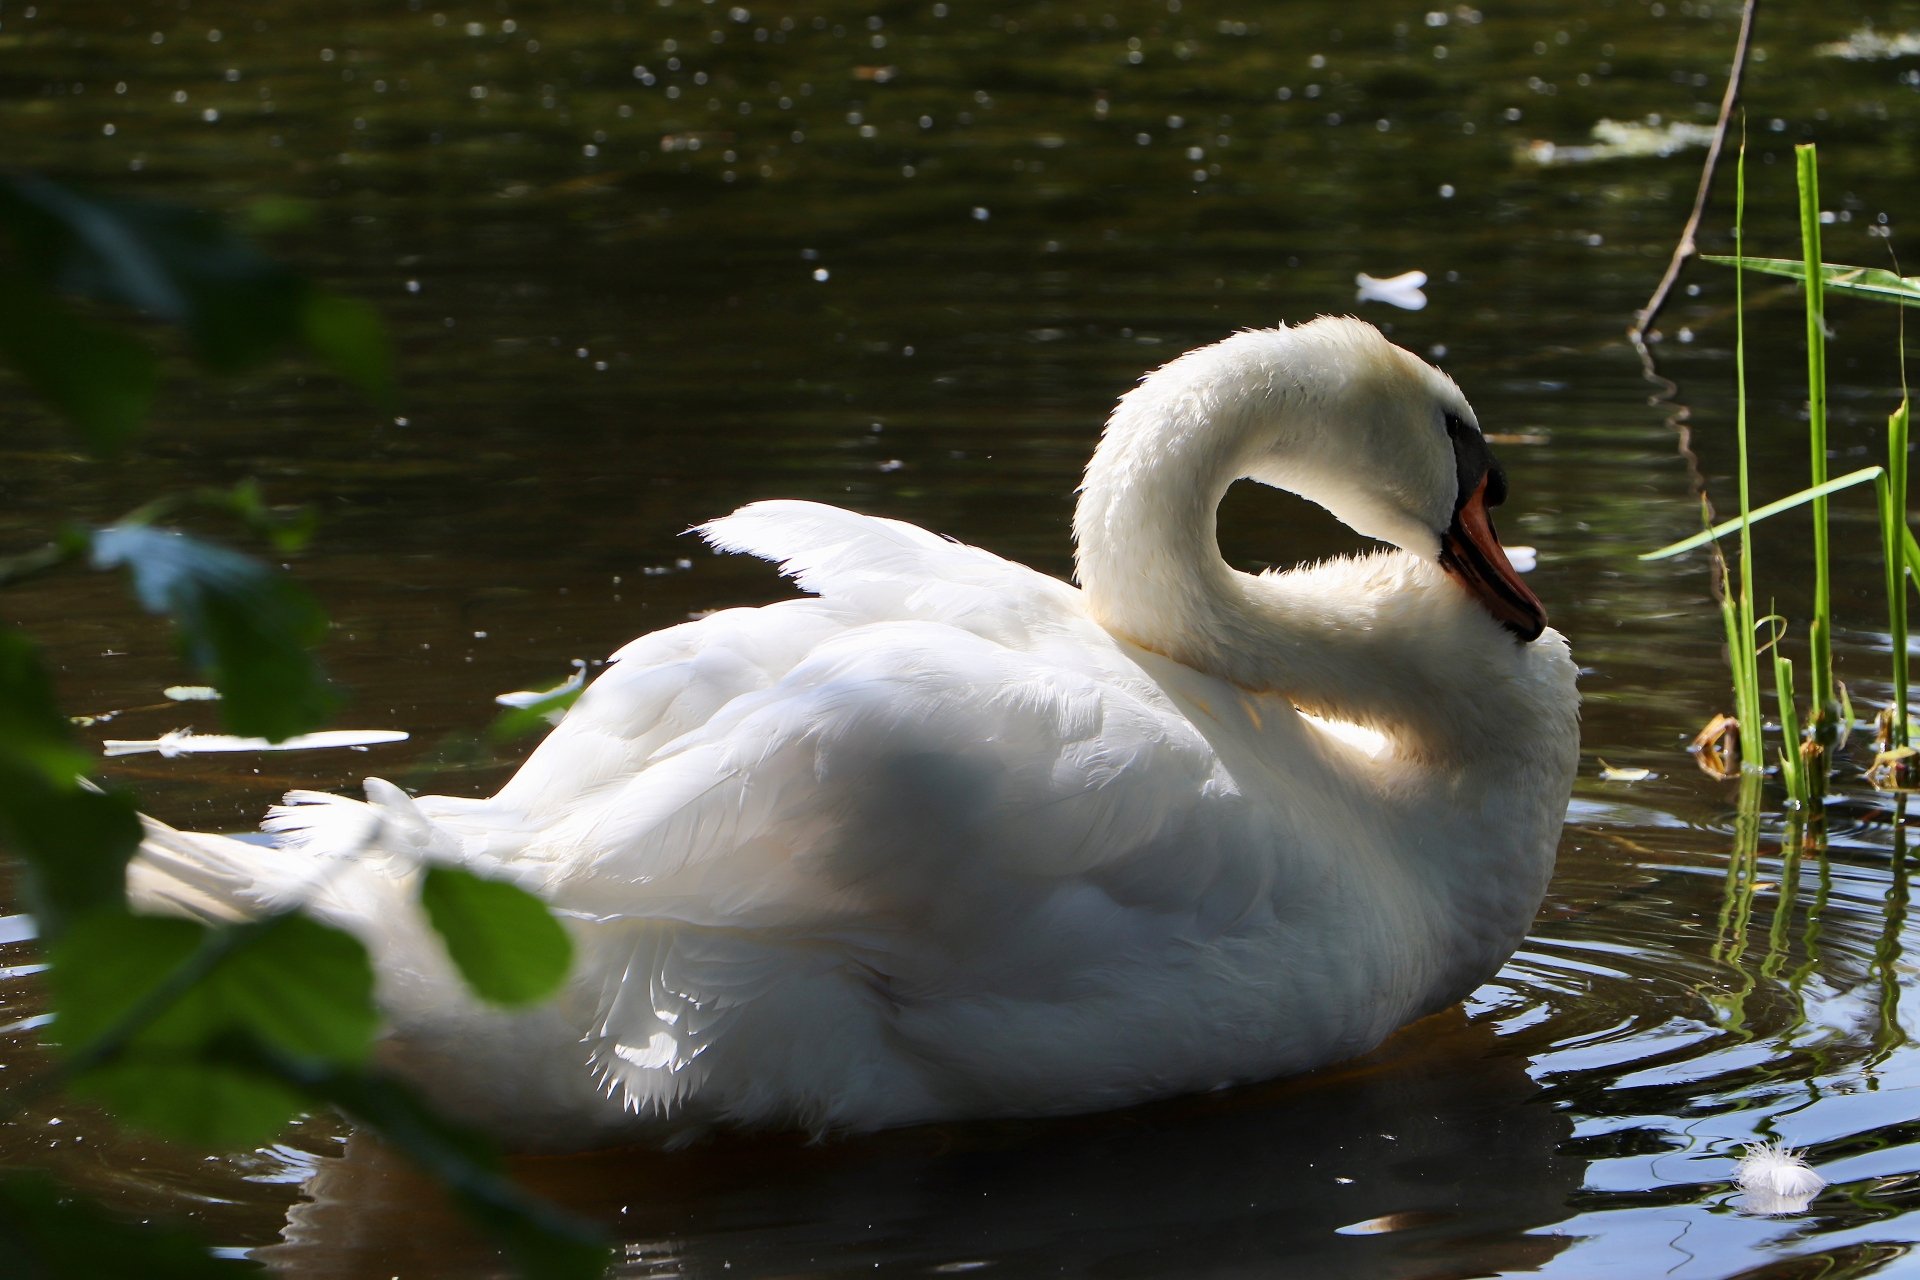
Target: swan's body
{"x": 951, "y": 838}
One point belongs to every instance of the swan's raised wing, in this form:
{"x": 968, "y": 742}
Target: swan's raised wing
{"x": 883, "y": 568}
{"x": 933, "y": 697}
{"x": 864, "y": 571}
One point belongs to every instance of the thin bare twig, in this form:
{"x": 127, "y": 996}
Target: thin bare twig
{"x": 1644, "y": 318}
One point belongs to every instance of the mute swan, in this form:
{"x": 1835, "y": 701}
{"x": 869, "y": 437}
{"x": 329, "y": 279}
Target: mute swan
{"x": 950, "y": 838}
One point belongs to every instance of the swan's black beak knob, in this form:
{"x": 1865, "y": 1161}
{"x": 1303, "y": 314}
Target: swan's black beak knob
{"x": 1471, "y": 552}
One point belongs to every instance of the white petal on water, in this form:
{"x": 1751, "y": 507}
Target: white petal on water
{"x": 183, "y": 742}
{"x": 192, "y": 693}
{"x": 1630, "y": 773}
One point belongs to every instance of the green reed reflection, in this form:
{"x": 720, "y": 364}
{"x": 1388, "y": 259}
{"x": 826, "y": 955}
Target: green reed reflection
{"x": 1736, "y": 912}
{"x": 1891, "y": 1035}
{"x": 1780, "y": 962}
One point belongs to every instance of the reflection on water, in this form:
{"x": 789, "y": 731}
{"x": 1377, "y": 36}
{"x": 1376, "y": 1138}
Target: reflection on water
{"x": 1407, "y": 1163}
{"x": 645, "y": 262}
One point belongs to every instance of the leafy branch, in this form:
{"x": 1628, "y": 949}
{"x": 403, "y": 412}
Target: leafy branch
{"x": 214, "y": 1032}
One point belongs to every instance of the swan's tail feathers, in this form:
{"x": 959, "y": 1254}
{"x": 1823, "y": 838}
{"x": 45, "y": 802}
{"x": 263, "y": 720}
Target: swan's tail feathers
{"x": 217, "y": 879}
{"x": 313, "y": 843}
{"x": 318, "y": 824}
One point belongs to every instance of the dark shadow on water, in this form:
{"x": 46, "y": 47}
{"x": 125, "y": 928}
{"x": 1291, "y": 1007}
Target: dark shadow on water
{"x": 1430, "y": 1158}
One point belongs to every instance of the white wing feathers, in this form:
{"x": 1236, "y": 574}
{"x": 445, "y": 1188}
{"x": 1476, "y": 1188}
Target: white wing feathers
{"x": 917, "y": 758}
{"x": 889, "y": 568}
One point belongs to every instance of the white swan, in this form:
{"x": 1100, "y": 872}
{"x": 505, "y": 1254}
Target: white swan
{"x": 952, "y": 839}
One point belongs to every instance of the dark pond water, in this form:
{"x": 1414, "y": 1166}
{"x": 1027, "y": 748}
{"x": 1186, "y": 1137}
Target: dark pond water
{"x": 646, "y": 261}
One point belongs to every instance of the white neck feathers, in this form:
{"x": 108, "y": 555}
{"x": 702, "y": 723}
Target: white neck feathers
{"x": 1385, "y": 640}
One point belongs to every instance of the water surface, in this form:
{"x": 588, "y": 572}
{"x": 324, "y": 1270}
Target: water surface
{"x": 644, "y": 262}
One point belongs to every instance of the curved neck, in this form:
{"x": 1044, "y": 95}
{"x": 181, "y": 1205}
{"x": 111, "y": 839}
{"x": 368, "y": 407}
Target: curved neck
{"x": 1386, "y": 640}
{"x": 1145, "y": 549}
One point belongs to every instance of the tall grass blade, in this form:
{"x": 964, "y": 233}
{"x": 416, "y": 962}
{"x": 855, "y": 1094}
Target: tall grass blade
{"x": 1895, "y": 536}
{"x": 1807, "y": 171}
{"x": 1742, "y": 666}
{"x": 1861, "y": 282}
{"x": 1774, "y": 508}
{"x": 1746, "y": 683}
{"x": 1791, "y": 774}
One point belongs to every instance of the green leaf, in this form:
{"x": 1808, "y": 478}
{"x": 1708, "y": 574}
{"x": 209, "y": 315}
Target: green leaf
{"x": 1758, "y": 514}
{"x": 148, "y": 1006}
{"x": 100, "y": 380}
{"x": 51, "y": 1234}
{"x": 173, "y": 263}
{"x": 244, "y": 627}
{"x": 538, "y": 715}
{"x": 348, "y": 336}
{"x": 506, "y": 943}
{"x": 300, "y": 985}
{"x": 193, "y": 1096}
{"x": 33, "y": 734}
{"x": 75, "y": 843}
{"x": 1863, "y": 282}
{"x": 287, "y": 528}
{"x": 271, "y": 214}
{"x": 188, "y": 268}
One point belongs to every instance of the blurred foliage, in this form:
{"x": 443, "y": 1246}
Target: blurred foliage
{"x": 74, "y": 254}
{"x": 51, "y": 1235}
{"x": 244, "y": 628}
{"x": 509, "y": 947}
{"x": 210, "y": 1032}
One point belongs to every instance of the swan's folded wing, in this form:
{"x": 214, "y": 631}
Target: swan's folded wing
{"x": 673, "y": 681}
{"x": 913, "y": 816}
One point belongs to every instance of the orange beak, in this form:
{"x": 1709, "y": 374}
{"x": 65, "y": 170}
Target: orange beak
{"x": 1470, "y": 551}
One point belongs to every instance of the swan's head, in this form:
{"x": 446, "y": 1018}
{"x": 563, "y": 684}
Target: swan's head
{"x": 1387, "y": 443}
{"x": 1329, "y": 410}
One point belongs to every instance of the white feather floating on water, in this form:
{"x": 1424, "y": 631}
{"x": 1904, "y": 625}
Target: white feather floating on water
{"x": 533, "y": 697}
{"x": 184, "y": 742}
{"x": 1775, "y": 1179}
{"x": 1401, "y": 291}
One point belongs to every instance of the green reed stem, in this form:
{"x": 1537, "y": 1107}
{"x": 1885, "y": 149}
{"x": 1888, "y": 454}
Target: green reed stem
{"x": 1742, "y": 666}
{"x": 1743, "y": 656}
{"x": 1792, "y": 774}
{"x": 1807, "y": 171}
{"x": 1894, "y": 535}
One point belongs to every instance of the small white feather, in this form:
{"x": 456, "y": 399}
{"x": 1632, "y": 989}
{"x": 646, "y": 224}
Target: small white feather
{"x": 183, "y": 742}
{"x": 1775, "y": 1178}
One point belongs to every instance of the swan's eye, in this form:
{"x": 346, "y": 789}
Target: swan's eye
{"x": 1472, "y": 460}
